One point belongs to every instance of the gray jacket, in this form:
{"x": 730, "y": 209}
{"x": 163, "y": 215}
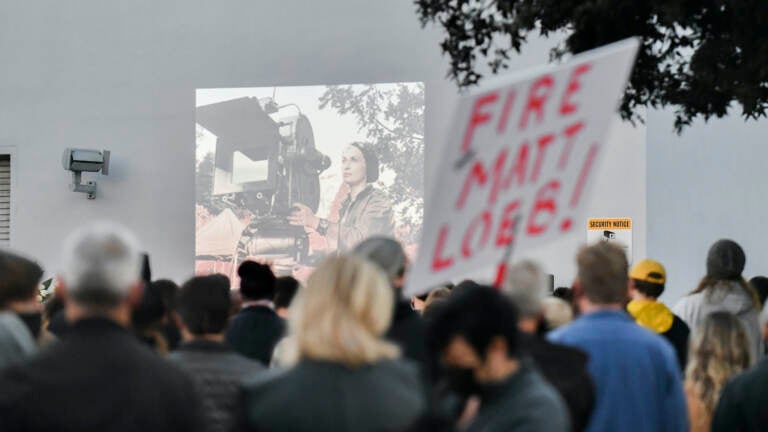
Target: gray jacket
{"x": 525, "y": 402}
{"x": 723, "y": 297}
{"x": 324, "y": 396}
{"x": 218, "y": 372}
{"x": 16, "y": 341}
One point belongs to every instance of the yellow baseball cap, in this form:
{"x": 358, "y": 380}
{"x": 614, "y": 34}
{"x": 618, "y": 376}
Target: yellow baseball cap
{"x": 648, "y": 271}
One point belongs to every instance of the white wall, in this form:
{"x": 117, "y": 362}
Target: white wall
{"x": 122, "y": 75}
{"x": 706, "y": 184}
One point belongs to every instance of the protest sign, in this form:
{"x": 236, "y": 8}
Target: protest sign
{"x": 518, "y": 164}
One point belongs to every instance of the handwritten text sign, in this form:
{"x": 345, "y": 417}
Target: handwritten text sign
{"x": 523, "y": 146}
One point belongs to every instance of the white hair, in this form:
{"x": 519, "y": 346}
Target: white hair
{"x": 101, "y": 263}
{"x": 526, "y": 286}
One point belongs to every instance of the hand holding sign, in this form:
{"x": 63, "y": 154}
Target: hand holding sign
{"x": 522, "y": 149}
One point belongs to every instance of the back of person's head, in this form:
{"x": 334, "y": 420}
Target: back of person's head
{"x": 720, "y": 349}
{"x": 167, "y": 290}
{"x": 725, "y": 260}
{"x": 286, "y": 288}
{"x": 343, "y": 312}
{"x": 435, "y": 299}
{"x": 526, "y": 287}
{"x": 648, "y": 278}
{"x": 203, "y": 304}
{"x": 19, "y": 278}
{"x": 387, "y": 253}
{"x": 602, "y": 273}
{"x": 101, "y": 265}
{"x": 760, "y": 284}
{"x": 257, "y": 282}
{"x": 725, "y": 264}
{"x": 150, "y": 312}
{"x": 557, "y": 312}
{"x": 479, "y": 315}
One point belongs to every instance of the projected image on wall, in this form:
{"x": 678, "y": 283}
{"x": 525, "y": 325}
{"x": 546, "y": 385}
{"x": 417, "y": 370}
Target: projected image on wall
{"x": 288, "y": 175}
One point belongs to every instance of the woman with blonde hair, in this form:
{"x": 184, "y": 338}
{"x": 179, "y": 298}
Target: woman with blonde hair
{"x": 346, "y": 377}
{"x": 720, "y": 349}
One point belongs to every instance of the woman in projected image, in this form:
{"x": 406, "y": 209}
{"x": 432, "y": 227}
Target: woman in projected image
{"x": 365, "y": 212}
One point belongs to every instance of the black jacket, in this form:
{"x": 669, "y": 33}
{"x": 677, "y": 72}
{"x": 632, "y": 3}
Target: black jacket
{"x": 565, "y": 368}
{"x": 100, "y": 378}
{"x": 743, "y": 405}
{"x": 677, "y": 335}
{"x": 408, "y": 332}
{"x": 218, "y": 372}
{"x": 255, "y": 331}
{"x": 524, "y": 402}
{"x": 323, "y": 396}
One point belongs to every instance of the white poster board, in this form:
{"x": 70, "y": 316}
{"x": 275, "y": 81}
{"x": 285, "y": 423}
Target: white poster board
{"x": 611, "y": 230}
{"x": 518, "y": 166}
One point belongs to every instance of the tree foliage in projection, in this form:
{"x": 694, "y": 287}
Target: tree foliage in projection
{"x": 698, "y": 56}
{"x": 392, "y": 118}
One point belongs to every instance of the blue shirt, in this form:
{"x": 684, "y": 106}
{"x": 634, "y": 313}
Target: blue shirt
{"x": 636, "y": 375}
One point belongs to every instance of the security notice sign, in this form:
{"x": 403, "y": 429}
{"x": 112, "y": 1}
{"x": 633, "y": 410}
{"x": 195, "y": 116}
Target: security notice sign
{"x": 613, "y": 230}
{"x": 519, "y": 164}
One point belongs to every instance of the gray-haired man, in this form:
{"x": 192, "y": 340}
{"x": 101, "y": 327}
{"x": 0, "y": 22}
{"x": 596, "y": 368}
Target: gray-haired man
{"x": 100, "y": 377}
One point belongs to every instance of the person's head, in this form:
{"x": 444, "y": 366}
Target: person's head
{"x": 101, "y": 273}
{"x": 419, "y": 302}
{"x": 725, "y": 264}
{"x": 359, "y": 164}
{"x": 257, "y": 282}
{"x": 646, "y": 280}
{"x": 557, "y": 312}
{"x": 526, "y": 286}
{"x": 149, "y": 313}
{"x": 720, "y": 348}
{"x": 285, "y": 290}
{"x": 434, "y": 300}
{"x": 760, "y": 284}
{"x": 343, "y": 312}
{"x": 601, "y": 281}
{"x": 475, "y": 331}
{"x": 388, "y": 254}
{"x": 167, "y": 290}
{"x": 202, "y": 306}
{"x": 19, "y": 283}
{"x": 19, "y": 286}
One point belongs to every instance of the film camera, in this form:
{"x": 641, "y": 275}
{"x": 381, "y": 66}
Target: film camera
{"x": 265, "y": 162}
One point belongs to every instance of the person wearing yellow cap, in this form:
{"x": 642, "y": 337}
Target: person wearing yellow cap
{"x": 646, "y": 284}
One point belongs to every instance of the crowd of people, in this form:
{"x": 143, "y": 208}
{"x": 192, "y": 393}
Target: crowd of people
{"x": 114, "y": 350}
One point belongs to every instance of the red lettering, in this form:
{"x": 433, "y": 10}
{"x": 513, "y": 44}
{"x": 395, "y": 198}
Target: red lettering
{"x": 542, "y": 145}
{"x": 476, "y": 175}
{"x": 438, "y": 262}
{"x": 502, "y": 126}
{"x": 498, "y": 170}
{"x": 486, "y": 220}
{"x": 506, "y": 233}
{"x": 570, "y": 133}
{"x": 537, "y": 97}
{"x": 520, "y": 167}
{"x": 566, "y": 106}
{"x": 545, "y": 202}
{"x": 478, "y": 117}
{"x": 585, "y": 170}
